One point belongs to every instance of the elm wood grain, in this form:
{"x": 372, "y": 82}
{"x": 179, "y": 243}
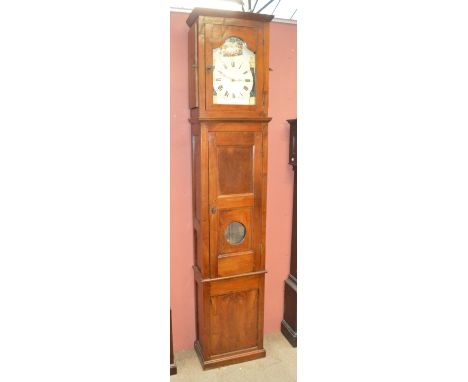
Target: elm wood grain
{"x": 200, "y": 192}
{"x": 235, "y": 201}
{"x": 233, "y": 320}
{"x": 233, "y": 358}
{"x": 192, "y": 67}
{"x": 218, "y": 33}
{"x": 236, "y": 263}
{"x": 264, "y": 191}
{"x": 226, "y": 306}
{"x": 235, "y": 170}
{"x": 265, "y": 72}
{"x": 289, "y": 322}
{"x": 242, "y": 173}
{"x": 229, "y": 159}
{"x": 215, "y": 13}
{"x": 196, "y": 186}
{"x": 253, "y": 137}
{"x": 250, "y": 125}
{"x": 173, "y": 368}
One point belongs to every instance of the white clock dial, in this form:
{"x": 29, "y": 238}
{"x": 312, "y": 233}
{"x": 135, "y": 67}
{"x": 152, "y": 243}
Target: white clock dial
{"x": 233, "y": 81}
{"x": 233, "y": 74}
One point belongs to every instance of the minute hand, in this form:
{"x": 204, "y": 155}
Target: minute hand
{"x": 225, "y": 75}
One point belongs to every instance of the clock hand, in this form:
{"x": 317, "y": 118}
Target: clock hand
{"x": 224, "y": 74}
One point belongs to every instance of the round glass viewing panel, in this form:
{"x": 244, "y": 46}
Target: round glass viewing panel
{"x": 234, "y": 233}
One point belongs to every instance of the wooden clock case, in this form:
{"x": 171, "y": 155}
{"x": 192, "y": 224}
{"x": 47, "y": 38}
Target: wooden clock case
{"x": 289, "y": 322}
{"x": 229, "y": 180}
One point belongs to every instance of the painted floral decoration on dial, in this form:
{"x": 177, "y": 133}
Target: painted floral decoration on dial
{"x": 234, "y": 73}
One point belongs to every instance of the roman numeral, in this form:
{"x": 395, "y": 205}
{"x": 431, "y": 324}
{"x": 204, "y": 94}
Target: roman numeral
{"x": 226, "y": 94}
{"x": 233, "y": 95}
{"x": 225, "y": 67}
{"x": 218, "y": 79}
{"x": 245, "y": 72}
{"x": 233, "y": 63}
{"x": 220, "y": 87}
{"x": 246, "y": 88}
{"x": 247, "y": 80}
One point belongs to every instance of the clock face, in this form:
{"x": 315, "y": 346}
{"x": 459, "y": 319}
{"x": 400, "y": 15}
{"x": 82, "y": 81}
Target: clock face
{"x": 233, "y": 73}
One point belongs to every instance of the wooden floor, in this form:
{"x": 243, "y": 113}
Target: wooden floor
{"x": 279, "y": 365}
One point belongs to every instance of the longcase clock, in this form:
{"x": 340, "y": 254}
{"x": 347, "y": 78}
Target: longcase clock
{"x": 289, "y": 322}
{"x": 228, "y": 100}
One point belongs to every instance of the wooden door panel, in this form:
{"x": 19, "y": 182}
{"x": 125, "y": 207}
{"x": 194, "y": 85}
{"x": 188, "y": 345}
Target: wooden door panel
{"x": 235, "y": 165}
{"x": 215, "y": 36}
{"x": 235, "y": 189}
{"x": 234, "y": 321}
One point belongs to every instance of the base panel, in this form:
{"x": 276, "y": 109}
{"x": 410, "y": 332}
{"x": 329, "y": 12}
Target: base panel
{"x": 289, "y": 333}
{"x": 224, "y": 360}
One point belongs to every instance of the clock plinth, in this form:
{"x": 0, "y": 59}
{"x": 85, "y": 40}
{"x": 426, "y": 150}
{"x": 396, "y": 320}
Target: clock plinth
{"x": 228, "y": 100}
{"x": 228, "y": 359}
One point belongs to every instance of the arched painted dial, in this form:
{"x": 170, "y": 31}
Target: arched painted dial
{"x": 233, "y": 74}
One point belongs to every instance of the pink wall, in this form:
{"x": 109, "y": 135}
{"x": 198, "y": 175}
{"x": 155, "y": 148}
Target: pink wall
{"x": 280, "y": 180}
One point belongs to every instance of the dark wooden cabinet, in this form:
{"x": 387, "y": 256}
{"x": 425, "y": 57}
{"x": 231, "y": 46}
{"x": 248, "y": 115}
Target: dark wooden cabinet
{"x": 289, "y": 323}
{"x": 228, "y": 100}
{"x": 173, "y": 366}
